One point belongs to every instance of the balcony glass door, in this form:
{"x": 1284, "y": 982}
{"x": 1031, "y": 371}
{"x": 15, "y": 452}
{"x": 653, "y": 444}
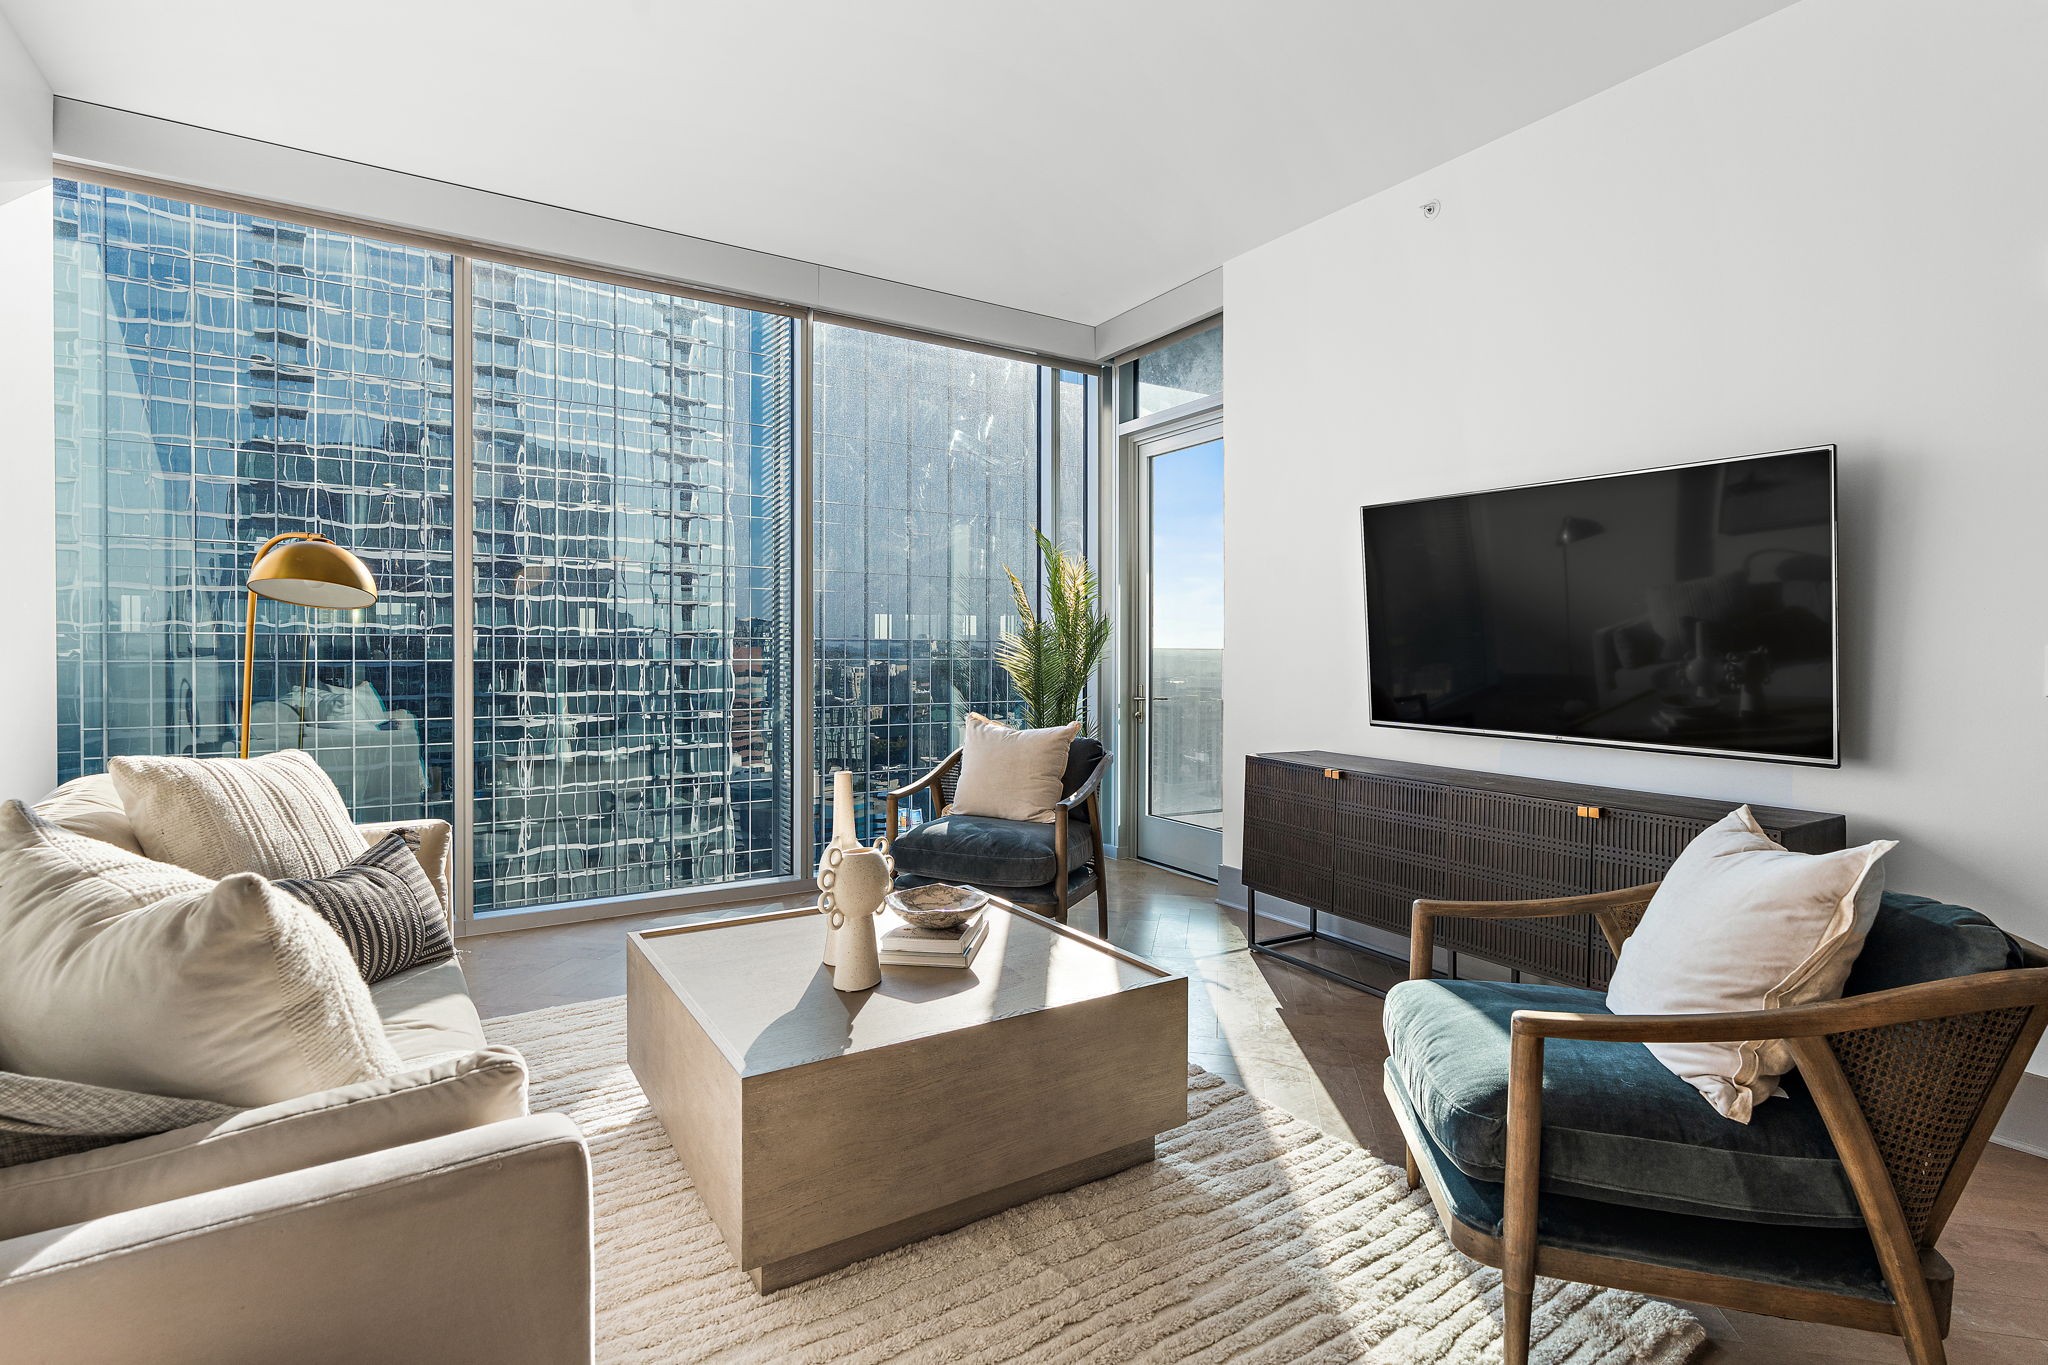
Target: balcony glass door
{"x": 1177, "y": 707}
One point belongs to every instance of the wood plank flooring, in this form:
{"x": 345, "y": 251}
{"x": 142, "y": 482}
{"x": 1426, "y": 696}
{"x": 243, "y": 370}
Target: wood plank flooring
{"x": 1315, "y": 1048}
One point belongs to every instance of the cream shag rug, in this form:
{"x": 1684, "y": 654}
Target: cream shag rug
{"x": 1252, "y": 1237}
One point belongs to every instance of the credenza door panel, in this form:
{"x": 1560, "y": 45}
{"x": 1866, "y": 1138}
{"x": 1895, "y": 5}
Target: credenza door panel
{"x": 1289, "y": 831}
{"x": 1393, "y": 844}
{"x": 1508, "y": 847}
{"x": 1631, "y": 847}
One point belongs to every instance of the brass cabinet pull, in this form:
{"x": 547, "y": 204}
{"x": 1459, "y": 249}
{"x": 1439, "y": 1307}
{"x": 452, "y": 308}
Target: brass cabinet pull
{"x": 1589, "y": 812}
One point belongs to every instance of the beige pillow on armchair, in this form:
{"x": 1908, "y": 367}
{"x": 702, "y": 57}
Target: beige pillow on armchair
{"x": 1011, "y": 774}
{"x": 1743, "y": 923}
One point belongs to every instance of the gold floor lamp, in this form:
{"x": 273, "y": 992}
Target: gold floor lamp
{"x": 309, "y": 570}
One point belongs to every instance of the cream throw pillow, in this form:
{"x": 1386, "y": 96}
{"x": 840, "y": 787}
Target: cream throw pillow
{"x": 1011, "y": 774}
{"x": 91, "y": 806}
{"x": 1742, "y": 923}
{"x": 122, "y": 972}
{"x": 277, "y": 816}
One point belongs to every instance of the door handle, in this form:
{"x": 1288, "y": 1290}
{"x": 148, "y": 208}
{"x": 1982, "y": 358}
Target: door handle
{"x": 1138, "y": 709}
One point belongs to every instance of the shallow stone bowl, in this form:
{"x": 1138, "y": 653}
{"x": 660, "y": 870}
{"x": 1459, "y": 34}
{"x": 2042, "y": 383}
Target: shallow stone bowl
{"x": 937, "y": 906}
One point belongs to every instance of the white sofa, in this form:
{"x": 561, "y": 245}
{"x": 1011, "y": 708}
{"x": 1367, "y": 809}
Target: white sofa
{"x": 421, "y": 1216}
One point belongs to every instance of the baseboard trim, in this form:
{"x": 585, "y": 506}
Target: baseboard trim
{"x": 2024, "y": 1128}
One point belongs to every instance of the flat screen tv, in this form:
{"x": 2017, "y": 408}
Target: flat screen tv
{"x": 1688, "y": 609}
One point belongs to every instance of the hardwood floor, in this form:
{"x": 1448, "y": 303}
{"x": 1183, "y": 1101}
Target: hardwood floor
{"x": 1314, "y": 1047}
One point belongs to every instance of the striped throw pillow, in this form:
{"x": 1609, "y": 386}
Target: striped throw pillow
{"x": 383, "y": 907}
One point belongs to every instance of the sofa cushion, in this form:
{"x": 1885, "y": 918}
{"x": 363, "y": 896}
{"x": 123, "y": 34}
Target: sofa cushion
{"x": 384, "y": 908}
{"x": 427, "y": 1012}
{"x": 277, "y": 816}
{"x": 982, "y": 851}
{"x": 413, "y": 1105}
{"x": 1617, "y": 1125}
{"x": 123, "y": 972}
{"x": 91, "y": 806}
{"x": 1915, "y": 939}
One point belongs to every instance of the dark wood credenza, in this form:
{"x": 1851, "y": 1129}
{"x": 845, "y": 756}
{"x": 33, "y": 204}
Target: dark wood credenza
{"x": 1362, "y": 839}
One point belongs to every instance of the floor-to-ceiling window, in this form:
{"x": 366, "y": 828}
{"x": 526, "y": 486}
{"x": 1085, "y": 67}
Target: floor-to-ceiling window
{"x": 221, "y": 378}
{"x": 930, "y": 465}
{"x": 634, "y": 453}
{"x": 623, "y": 544}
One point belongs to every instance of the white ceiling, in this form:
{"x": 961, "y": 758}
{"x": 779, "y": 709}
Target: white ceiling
{"x": 1070, "y": 157}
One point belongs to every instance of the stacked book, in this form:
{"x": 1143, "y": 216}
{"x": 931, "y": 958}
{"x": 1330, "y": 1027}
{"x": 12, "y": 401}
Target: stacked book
{"x": 903, "y": 944}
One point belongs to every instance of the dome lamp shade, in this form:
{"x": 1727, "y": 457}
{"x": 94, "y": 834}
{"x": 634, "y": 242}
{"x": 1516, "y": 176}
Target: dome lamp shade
{"x": 313, "y": 573}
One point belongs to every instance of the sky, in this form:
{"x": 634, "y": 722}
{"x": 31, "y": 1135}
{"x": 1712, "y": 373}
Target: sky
{"x": 1187, "y": 548}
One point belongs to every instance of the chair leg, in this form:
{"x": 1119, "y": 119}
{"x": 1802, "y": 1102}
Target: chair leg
{"x": 1515, "y": 1306}
{"x": 1414, "y": 1171}
{"x": 1101, "y": 899}
{"x": 1917, "y": 1326}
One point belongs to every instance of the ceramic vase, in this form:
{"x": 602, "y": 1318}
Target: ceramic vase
{"x": 845, "y": 835}
{"x": 851, "y": 890}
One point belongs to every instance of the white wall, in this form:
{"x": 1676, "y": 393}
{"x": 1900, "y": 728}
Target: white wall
{"x": 119, "y": 140}
{"x": 1829, "y": 226}
{"x": 28, "y": 584}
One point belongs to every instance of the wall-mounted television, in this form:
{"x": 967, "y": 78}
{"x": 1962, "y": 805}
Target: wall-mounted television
{"x": 1687, "y": 609}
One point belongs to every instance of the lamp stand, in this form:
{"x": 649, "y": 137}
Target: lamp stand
{"x": 249, "y": 628}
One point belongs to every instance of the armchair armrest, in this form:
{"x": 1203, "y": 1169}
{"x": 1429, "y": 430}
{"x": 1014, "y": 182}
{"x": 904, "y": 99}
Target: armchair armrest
{"x": 944, "y": 766}
{"x": 1085, "y": 793}
{"x": 349, "y": 1261}
{"x": 930, "y": 779}
{"x": 1600, "y": 904}
{"x": 1878, "y": 1009}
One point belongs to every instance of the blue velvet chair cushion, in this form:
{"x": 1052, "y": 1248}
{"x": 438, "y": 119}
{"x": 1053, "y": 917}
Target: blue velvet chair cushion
{"x": 1915, "y": 939}
{"x": 980, "y": 850}
{"x": 1617, "y": 1127}
{"x": 1834, "y": 1260}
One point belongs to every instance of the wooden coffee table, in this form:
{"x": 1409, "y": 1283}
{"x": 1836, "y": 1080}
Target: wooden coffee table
{"x": 823, "y": 1128}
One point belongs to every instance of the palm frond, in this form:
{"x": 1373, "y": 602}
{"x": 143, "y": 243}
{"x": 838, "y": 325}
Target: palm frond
{"x": 1052, "y": 657}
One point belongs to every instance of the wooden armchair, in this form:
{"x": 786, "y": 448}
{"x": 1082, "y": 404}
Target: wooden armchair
{"x": 1022, "y": 861}
{"x": 1908, "y": 1081}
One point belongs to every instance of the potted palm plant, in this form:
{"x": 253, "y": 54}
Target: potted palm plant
{"x": 1050, "y": 658}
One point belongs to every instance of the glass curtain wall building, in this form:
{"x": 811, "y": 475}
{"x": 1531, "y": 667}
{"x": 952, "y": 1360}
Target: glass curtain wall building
{"x": 633, "y": 457}
{"x": 630, "y": 552}
{"x": 934, "y": 467}
{"x": 222, "y": 378}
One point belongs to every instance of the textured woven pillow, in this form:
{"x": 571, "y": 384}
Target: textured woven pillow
{"x": 121, "y": 972}
{"x": 1011, "y": 774}
{"x": 277, "y": 816}
{"x": 1742, "y": 923}
{"x": 384, "y": 908}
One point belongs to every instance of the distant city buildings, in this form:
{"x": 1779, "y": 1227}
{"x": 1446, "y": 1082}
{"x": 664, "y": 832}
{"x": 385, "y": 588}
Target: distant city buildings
{"x": 223, "y": 378}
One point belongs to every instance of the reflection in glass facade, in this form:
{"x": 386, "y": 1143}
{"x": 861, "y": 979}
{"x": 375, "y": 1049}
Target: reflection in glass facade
{"x": 929, "y": 461}
{"x": 633, "y": 504}
{"x": 221, "y": 378}
{"x": 1183, "y": 371}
